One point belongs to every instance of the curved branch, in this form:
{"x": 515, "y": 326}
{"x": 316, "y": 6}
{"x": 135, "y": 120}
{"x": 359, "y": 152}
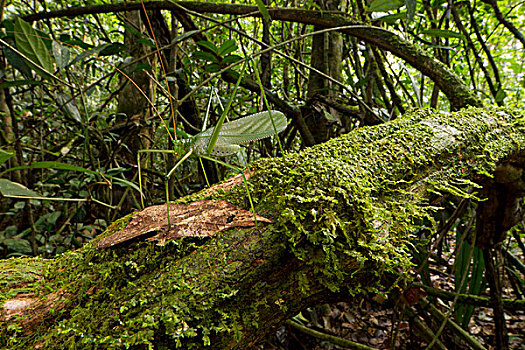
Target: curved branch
{"x": 452, "y": 86}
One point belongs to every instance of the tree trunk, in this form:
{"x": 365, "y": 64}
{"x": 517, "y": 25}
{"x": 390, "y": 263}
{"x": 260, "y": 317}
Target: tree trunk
{"x": 342, "y": 213}
{"x": 327, "y": 55}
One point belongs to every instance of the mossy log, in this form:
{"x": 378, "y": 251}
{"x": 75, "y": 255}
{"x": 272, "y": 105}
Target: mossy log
{"x": 343, "y": 213}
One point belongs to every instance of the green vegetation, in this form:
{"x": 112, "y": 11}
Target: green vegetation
{"x": 85, "y": 90}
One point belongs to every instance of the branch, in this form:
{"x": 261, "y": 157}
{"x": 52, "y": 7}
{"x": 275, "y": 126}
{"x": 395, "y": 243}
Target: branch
{"x": 517, "y": 33}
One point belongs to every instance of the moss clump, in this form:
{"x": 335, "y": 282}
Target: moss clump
{"x": 363, "y": 194}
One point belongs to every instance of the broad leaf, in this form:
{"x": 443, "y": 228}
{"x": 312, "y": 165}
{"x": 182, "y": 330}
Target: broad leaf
{"x": 89, "y": 53}
{"x": 263, "y": 10}
{"x": 21, "y": 246}
{"x": 207, "y": 56}
{"x": 231, "y": 59}
{"x": 147, "y": 42}
{"x": 61, "y": 54}
{"x": 185, "y": 35}
{"x": 5, "y": 156}
{"x": 227, "y": 47}
{"x": 411, "y": 9}
{"x": 69, "y": 167}
{"x": 443, "y": 33}
{"x": 500, "y": 95}
{"x": 212, "y": 68}
{"x": 208, "y": 45}
{"x": 391, "y": 19}
{"x": 14, "y": 190}
{"x": 68, "y": 107}
{"x": 112, "y": 49}
{"x": 33, "y": 47}
{"x": 15, "y": 59}
{"x": 385, "y": 5}
{"x": 8, "y": 84}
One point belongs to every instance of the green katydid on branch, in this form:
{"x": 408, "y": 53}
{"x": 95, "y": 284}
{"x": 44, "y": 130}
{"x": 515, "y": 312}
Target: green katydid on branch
{"x": 226, "y": 140}
{"x": 231, "y": 134}
{"x": 240, "y": 131}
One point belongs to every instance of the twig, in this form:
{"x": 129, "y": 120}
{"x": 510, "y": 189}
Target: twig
{"x": 335, "y": 340}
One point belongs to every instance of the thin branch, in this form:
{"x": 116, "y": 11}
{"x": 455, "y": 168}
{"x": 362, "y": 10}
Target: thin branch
{"x": 517, "y": 33}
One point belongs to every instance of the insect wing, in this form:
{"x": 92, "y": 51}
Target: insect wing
{"x": 247, "y": 129}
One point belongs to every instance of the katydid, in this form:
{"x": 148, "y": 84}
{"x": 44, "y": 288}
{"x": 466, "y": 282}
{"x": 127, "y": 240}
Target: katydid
{"x": 223, "y": 140}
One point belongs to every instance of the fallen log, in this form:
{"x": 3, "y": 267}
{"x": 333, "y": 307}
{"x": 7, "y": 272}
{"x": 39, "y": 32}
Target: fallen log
{"x": 339, "y": 219}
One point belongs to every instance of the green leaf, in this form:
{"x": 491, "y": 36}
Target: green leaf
{"x": 18, "y": 245}
{"x": 69, "y": 167}
{"x": 231, "y": 59}
{"x": 500, "y": 95}
{"x": 208, "y": 45}
{"x": 411, "y": 9}
{"x": 89, "y": 53}
{"x": 8, "y": 84}
{"x": 54, "y": 165}
{"x": 112, "y": 49}
{"x": 212, "y": 68}
{"x": 227, "y": 47}
{"x": 391, "y": 19}
{"x": 33, "y": 47}
{"x": 69, "y": 107}
{"x": 184, "y": 36}
{"x": 15, "y": 59}
{"x": 45, "y": 39}
{"x": 443, "y": 33}
{"x": 14, "y": 189}
{"x": 207, "y": 56}
{"x": 61, "y": 54}
{"x": 5, "y": 156}
{"x": 79, "y": 43}
{"x": 9, "y": 27}
{"x": 132, "y": 30}
{"x": 147, "y": 42}
{"x": 263, "y": 10}
{"x": 437, "y": 3}
{"x": 385, "y": 5}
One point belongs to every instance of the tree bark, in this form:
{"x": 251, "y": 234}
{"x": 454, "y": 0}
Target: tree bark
{"x": 343, "y": 213}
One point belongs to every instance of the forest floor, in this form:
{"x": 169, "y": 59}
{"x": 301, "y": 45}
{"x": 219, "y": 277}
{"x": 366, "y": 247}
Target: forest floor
{"x": 377, "y": 323}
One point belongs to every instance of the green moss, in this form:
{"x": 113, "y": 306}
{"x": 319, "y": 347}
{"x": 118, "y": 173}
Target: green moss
{"x": 355, "y": 195}
{"x": 19, "y": 276}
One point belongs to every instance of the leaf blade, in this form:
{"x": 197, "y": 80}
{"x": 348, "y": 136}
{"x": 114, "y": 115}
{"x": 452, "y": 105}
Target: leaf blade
{"x": 31, "y": 45}
{"x": 264, "y": 11}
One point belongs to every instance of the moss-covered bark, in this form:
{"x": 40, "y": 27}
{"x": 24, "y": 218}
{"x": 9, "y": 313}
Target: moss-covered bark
{"x": 343, "y": 214}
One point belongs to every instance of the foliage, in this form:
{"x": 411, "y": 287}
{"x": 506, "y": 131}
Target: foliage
{"x": 74, "y": 117}
{"x": 72, "y": 123}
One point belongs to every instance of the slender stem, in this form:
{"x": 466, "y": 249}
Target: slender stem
{"x": 256, "y": 72}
